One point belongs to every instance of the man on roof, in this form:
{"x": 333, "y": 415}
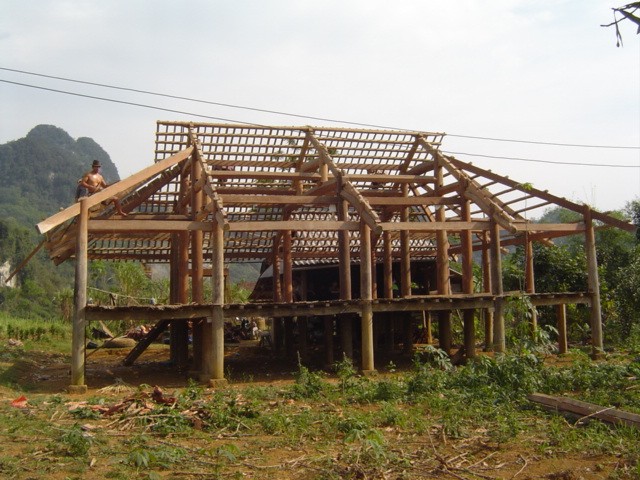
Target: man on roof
{"x": 92, "y": 182}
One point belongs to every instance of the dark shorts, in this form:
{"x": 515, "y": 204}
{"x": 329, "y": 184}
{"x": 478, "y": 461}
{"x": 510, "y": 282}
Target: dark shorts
{"x": 82, "y": 192}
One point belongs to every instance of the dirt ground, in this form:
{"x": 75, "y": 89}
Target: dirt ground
{"x": 248, "y": 364}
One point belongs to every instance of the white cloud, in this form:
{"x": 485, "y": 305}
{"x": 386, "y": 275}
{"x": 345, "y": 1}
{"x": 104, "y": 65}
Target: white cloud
{"x": 541, "y": 70}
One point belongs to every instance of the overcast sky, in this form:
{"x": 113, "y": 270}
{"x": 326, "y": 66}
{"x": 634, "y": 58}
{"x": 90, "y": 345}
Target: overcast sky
{"x": 535, "y": 70}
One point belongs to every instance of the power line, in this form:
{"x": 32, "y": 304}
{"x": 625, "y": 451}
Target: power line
{"x": 309, "y": 117}
{"x": 152, "y": 107}
{"x": 553, "y": 144}
{"x": 553, "y": 162}
{"x": 181, "y": 112}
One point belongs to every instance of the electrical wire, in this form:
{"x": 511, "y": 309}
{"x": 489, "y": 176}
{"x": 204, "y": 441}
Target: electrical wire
{"x": 533, "y": 160}
{"x": 152, "y": 107}
{"x": 191, "y": 114}
{"x": 308, "y": 117}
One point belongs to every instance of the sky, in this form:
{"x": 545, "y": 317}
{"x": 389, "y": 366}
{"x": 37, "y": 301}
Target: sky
{"x": 500, "y": 70}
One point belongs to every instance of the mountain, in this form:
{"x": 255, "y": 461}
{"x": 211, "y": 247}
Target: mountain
{"x": 39, "y": 173}
{"x": 38, "y": 177}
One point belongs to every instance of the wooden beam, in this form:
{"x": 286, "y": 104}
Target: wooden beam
{"x": 436, "y": 226}
{"x": 399, "y": 202}
{"x": 594, "y": 284}
{"x": 568, "y": 228}
{"x": 366, "y": 296}
{"x": 355, "y": 198}
{"x": 345, "y": 323}
{"x": 78, "y": 348}
{"x": 263, "y": 175}
{"x": 306, "y": 199}
{"x": 499, "y": 339}
{"x": 132, "y": 226}
{"x": 471, "y": 190}
{"x": 586, "y": 410}
{"x": 301, "y": 225}
{"x": 113, "y": 190}
{"x": 467, "y": 285}
{"x": 528, "y": 189}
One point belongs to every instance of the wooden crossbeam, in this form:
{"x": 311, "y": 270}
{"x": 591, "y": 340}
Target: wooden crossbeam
{"x": 113, "y": 190}
{"x": 585, "y": 409}
{"x": 145, "y": 342}
{"x": 560, "y": 201}
{"x": 473, "y": 192}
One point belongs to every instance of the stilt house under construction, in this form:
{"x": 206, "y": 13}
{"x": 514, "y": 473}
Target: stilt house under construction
{"x": 363, "y": 200}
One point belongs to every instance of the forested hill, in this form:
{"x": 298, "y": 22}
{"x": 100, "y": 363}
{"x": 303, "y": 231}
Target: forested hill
{"x": 39, "y": 173}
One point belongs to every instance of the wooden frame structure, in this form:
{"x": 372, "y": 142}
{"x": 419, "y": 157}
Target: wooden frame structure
{"x": 222, "y": 193}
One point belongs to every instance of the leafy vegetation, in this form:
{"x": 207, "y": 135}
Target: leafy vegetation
{"x": 431, "y": 419}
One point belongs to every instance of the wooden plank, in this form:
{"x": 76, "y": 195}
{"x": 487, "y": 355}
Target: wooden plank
{"x": 131, "y": 226}
{"x": 593, "y": 283}
{"x": 78, "y": 341}
{"x": 144, "y": 343}
{"x": 410, "y": 201}
{"x": 586, "y": 410}
{"x": 113, "y": 190}
{"x": 560, "y": 201}
{"x": 231, "y": 199}
{"x": 436, "y": 226}
{"x": 262, "y": 175}
{"x": 361, "y": 204}
{"x": 302, "y": 225}
{"x": 550, "y": 227}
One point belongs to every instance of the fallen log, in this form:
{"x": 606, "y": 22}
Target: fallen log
{"x": 586, "y": 410}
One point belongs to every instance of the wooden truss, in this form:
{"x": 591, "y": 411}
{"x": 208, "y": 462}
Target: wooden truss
{"x": 220, "y": 193}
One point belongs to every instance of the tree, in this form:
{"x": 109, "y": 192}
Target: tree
{"x": 627, "y": 12}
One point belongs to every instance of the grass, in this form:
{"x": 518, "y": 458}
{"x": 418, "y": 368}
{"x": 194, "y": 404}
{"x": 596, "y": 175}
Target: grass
{"x": 432, "y": 420}
{"x": 52, "y": 336}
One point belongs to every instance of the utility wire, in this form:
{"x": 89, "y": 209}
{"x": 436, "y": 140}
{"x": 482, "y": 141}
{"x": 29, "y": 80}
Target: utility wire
{"x": 533, "y": 160}
{"x": 309, "y": 117}
{"x": 153, "y": 107}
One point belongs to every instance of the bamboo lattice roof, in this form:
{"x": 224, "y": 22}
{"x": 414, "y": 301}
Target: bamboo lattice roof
{"x": 260, "y": 181}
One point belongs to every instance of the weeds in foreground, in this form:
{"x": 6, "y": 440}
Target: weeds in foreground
{"x": 352, "y": 426}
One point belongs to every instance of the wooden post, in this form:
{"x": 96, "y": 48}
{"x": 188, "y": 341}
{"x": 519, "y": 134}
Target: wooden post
{"x": 486, "y": 287}
{"x": 174, "y": 295}
{"x": 561, "y": 317}
{"x": 499, "y": 342}
{"x": 387, "y": 284}
{"x": 287, "y": 267}
{"x": 529, "y": 279}
{"x": 197, "y": 266}
{"x": 426, "y": 317}
{"x": 181, "y": 328}
{"x": 287, "y": 293}
{"x": 442, "y": 265}
{"x": 345, "y": 323}
{"x": 78, "y": 347}
{"x": 215, "y": 368}
{"x": 365, "y": 296}
{"x": 594, "y": 285}
{"x": 467, "y": 283}
{"x": 405, "y": 275}
{"x": 277, "y": 327}
{"x": 328, "y": 341}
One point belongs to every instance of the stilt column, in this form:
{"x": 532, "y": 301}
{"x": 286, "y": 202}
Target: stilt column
{"x": 366, "y": 297}
{"x": 529, "y": 279}
{"x": 213, "y": 369}
{"x": 78, "y": 347}
{"x": 467, "y": 284}
{"x": 345, "y": 322}
{"x": 594, "y": 285}
{"x": 499, "y": 344}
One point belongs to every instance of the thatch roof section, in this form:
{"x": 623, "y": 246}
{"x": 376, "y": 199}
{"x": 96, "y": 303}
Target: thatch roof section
{"x": 261, "y": 181}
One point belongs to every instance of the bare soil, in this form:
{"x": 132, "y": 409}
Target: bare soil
{"x": 430, "y": 455}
